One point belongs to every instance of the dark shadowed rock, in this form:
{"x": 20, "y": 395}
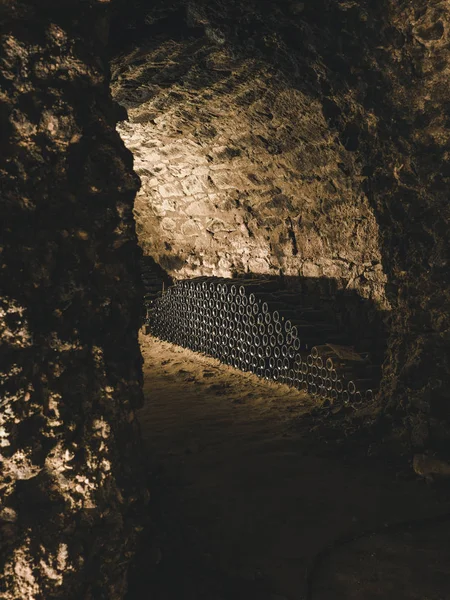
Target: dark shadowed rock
{"x": 70, "y": 372}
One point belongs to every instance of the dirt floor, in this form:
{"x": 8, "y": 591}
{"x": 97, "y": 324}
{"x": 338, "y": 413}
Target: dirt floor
{"x": 251, "y": 500}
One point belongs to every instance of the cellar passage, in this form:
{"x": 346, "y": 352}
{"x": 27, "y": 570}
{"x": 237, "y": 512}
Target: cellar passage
{"x": 272, "y": 195}
{"x": 244, "y": 175}
{"x": 302, "y": 142}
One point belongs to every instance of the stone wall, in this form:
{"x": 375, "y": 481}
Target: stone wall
{"x": 240, "y": 170}
{"x": 70, "y": 366}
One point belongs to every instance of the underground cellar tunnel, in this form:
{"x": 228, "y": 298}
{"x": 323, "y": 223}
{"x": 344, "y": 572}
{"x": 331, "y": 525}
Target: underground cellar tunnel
{"x": 154, "y": 153}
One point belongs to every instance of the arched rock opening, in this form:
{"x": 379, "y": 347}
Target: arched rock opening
{"x": 308, "y": 140}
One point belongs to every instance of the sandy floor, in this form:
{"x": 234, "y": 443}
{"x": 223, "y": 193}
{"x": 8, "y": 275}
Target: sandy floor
{"x": 245, "y": 495}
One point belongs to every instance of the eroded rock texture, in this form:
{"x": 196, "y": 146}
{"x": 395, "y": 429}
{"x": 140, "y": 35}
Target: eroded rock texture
{"x": 70, "y": 373}
{"x": 310, "y": 137}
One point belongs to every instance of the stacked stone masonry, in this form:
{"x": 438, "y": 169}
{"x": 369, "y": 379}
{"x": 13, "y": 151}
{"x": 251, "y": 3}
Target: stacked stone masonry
{"x": 241, "y": 172}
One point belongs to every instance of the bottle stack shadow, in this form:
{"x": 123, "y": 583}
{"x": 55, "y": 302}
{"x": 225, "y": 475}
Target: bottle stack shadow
{"x": 154, "y": 279}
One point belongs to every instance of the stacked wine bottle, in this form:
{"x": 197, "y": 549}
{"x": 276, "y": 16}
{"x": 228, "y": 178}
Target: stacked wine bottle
{"x": 254, "y": 326}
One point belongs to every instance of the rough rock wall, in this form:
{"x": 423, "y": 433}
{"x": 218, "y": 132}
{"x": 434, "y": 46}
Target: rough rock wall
{"x": 408, "y": 92}
{"x": 70, "y": 374}
{"x": 240, "y": 171}
{"x": 387, "y": 83}
{"x": 374, "y": 80}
